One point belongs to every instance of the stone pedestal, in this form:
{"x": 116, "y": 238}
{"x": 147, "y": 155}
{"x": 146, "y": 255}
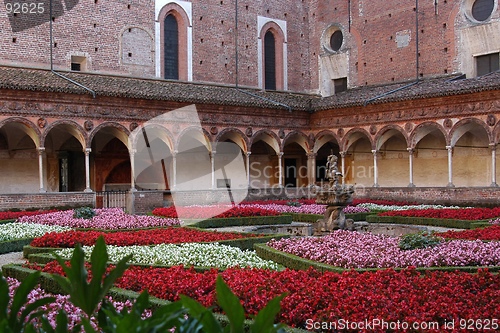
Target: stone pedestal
{"x": 336, "y": 198}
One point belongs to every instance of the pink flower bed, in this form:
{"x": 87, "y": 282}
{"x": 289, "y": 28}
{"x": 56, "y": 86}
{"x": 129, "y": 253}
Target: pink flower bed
{"x": 106, "y": 218}
{"x": 349, "y": 249}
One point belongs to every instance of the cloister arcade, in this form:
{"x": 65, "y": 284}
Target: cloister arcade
{"x": 64, "y": 156}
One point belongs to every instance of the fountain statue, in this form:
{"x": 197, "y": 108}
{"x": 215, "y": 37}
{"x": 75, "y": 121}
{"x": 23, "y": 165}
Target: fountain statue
{"x": 335, "y": 196}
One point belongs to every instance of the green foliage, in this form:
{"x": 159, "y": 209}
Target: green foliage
{"x": 84, "y": 213}
{"x": 15, "y": 320}
{"x": 294, "y": 203}
{"x": 418, "y": 241}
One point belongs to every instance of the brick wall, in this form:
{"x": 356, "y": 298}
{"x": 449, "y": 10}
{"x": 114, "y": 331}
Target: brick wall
{"x": 145, "y": 201}
{"x": 481, "y": 196}
{"x": 46, "y": 200}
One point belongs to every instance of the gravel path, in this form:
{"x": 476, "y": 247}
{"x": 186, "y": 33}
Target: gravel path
{"x": 11, "y": 258}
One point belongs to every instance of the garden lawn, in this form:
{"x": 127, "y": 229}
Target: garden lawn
{"x": 349, "y": 249}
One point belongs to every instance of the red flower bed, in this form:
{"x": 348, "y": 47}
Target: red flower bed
{"x": 15, "y": 215}
{"x": 488, "y": 233}
{"x": 446, "y": 213}
{"x": 329, "y": 297}
{"x": 201, "y": 212}
{"x": 140, "y": 237}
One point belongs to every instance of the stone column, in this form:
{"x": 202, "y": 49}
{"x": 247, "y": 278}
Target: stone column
{"x": 375, "y": 169}
{"x": 311, "y": 168}
{"x": 41, "y": 152}
{"x": 132, "y": 169}
{"x": 248, "y": 167}
{"x": 87, "y": 170}
{"x": 280, "y": 169}
{"x": 450, "y": 166}
{"x": 410, "y": 157}
{"x": 212, "y": 155}
{"x": 493, "y": 148}
{"x": 342, "y": 158}
{"x": 174, "y": 169}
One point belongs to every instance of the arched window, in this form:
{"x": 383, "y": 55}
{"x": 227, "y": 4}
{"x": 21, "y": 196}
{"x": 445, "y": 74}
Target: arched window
{"x": 269, "y": 61}
{"x": 171, "y": 48}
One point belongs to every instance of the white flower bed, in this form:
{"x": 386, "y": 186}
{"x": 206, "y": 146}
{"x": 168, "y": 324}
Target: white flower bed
{"x": 188, "y": 254}
{"x": 14, "y": 231}
{"x": 372, "y": 206}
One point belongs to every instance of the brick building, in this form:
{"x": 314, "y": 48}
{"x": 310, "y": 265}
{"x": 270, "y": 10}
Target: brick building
{"x": 406, "y": 94}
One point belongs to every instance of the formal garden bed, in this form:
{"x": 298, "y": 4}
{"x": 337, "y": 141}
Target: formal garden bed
{"x": 355, "y": 276}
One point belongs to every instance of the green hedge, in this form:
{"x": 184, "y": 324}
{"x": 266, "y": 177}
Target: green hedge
{"x": 295, "y": 262}
{"x": 447, "y": 223}
{"x": 312, "y": 218}
{"x": 48, "y": 284}
{"x": 7, "y": 221}
{"x": 14, "y": 245}
{"x": 241, "y": 221}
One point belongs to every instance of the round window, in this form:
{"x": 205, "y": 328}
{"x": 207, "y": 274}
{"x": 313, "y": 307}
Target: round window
{"x": 336, "y": 40}
{"x": 482, "y": 9}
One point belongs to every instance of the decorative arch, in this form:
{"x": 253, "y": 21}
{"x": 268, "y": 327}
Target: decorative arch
{"x": 423, "y": 129}
{"x": 322, "y": 138}
{"x": 468, "y": 125}
{"x": 72, "y": 128}
{"x": 24, "y": 125}
{"x": 275, "y": 29}
{"x": 235, "y": 135}
{"x": 354, "y": 135}
{"x": 159, "y": 132}
{"x": 182, "y": 13}
{"x": 388, "y": 132}
{"x": 116, "y": 129}
{"x": 302, "y": 140}
{"x": 268, "y": 137}
{"x": 200, "y": 135}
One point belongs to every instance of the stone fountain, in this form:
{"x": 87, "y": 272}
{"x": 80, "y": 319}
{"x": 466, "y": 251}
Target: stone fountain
{"x": 335, "y": 196}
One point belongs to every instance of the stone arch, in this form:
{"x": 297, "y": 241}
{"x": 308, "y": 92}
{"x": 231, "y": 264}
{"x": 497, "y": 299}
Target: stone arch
{"x": 270, "y": 138}
{"x": 466, "y": 125}
{"x": 72, "y": 127}
{"x": 120, "y": 131}
{"x": 323, "y": 137}
{"x": 303, "y": 140}
{"x": 386, "y": 133}
{"x": 235, "y": 135}
{"x": 26, "y": 126}
{"x": 354, "y": 135}
{"x": 423, "y": 129}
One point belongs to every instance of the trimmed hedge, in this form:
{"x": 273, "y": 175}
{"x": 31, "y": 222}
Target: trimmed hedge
{"x": 241, "y": 221}
{"x": 447, "y": 223}
{"x": 312, "y": 218}
{"x": 16, "y": 245}
{"x": 295, "y": 262}
{"x": 48, "y": 284}
{"x": 7, "y": 221}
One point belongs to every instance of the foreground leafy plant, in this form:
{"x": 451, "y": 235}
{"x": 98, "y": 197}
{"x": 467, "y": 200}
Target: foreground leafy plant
{"x": 86, "y": 213}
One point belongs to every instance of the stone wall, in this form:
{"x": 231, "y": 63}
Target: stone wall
{"x": 46, "y": 200}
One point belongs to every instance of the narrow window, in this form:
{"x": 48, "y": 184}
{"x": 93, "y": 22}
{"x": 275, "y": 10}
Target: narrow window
{"x": 487, "y": 63}
{"x": 171, "y": 48}
{"x": 78, "y": 63}
{"x": 269, "y": 61}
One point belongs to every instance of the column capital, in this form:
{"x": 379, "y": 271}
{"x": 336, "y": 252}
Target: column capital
{"x": 132, "y": 151}
{"x": 493, "y": 146}
{"x": 343, "y": 153}
{"x": 41, "y": 150}
{"x": 280, "y": 154}
{"x": 175, "y": 152}
{"x": 449, "y": 148}
{"x": 248, "y": 153}
{"x": 87, "y": 151}
{"x": 410, "y": 150}
{"x": 311, "y": 155}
